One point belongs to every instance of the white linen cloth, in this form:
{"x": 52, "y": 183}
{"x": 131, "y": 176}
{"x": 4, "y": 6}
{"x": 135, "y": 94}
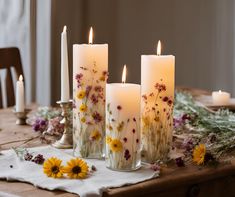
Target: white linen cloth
{"x": 94, "y": 185}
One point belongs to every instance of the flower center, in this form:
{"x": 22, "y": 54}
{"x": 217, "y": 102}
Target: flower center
{"x": 76, "y": 170}
{"x": 55, "y": 169}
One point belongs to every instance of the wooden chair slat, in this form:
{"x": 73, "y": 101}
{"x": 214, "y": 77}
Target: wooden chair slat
{"x": 10, "y": 57}
{"x": 10, "y": 89}
{"x": 1, "y": 101}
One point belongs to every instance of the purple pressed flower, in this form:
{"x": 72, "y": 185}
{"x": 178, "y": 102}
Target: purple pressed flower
{"x": 179, "y": 162}
{"x": 119, "y": 107}
{"x": 94, "y": 99}
{"x": 78, "y": 76}
{"x": 28, "y": 157}
{"x": 98, "y": 89}
{"x": 38, "y": 159}
{"x": 127, "y": 154}
{"x": 88, "y": 90}
{"x": 97, "y": 117}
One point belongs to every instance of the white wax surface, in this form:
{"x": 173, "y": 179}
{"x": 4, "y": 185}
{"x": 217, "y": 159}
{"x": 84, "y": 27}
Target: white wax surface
{"x": 127, "y": 96}
{"x": 20, "y": 96}
{"x": 65, "y": 95}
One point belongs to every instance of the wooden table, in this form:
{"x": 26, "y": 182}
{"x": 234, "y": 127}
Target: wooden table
{"x": 174, "y": 181}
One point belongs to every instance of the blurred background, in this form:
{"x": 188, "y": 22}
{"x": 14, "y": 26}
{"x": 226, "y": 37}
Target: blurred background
{"x": 201, "y": 34}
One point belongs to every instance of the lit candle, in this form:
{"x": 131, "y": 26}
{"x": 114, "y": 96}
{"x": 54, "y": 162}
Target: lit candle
{"x": 64, "y": 67}
{"x": 220, "y": 98}
{"x": 157, "y": 91}
{"x": 90, "y": 72}
{"x": 20, "y": 95}
{"x": 123, "y": 125}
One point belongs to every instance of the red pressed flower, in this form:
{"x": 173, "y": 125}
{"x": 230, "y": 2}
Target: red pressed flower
{"x": 137, "y": 140}
{"x": 134, "y": 119}
{"x": 165, "y": 99}
{"x": 144, "y": 97}
{"x": 133, "y": 130}
{"x": 169, "y": 102}
{"x": 160, "y": 87}
{"x": 119, "y": 107}
{"x": 125, "y": 139}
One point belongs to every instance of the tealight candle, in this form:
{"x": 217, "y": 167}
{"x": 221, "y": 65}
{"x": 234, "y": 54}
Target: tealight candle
{"x": 90, "y": 73}
{"x": 157, "y": 90}
{"x": 220, "y": 97}
{"x": 123, "y": 125}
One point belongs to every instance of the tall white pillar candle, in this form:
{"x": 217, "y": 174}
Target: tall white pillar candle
{"x": 20, "y": 95}
{"x": 157, "y": 91}
{"x": 90, "y": 72}
{"x": 123, "y": 126}
{"x": 64, "y": 67}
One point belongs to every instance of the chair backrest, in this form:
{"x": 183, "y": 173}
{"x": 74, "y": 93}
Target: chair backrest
{"x": 10, "y": 57}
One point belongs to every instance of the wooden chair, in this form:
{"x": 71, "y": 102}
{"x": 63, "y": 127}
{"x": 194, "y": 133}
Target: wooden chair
{"x": 10, "y": 57}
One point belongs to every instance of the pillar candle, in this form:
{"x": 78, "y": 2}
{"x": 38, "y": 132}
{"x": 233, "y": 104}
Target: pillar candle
{"x": 157, "y": 91}
{"x": 64, "y": 67}
{"x": 123, "y": 126}
{"x": 20, "y": 95}
{"x": 90, "y": 72}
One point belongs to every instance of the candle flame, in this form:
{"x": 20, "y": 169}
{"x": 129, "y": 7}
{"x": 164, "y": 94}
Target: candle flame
{"x": 91, "y": 36}
{"x": 21, "y": 78}
{"x": 220, "y": 91}
{"x": 159, "y": 47}
{"x": 65, "y": 29}
{"x": 124, "y": 74}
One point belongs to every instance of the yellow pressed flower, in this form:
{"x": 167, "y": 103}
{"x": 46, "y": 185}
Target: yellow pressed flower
{"x": 116, "y": 145}
{"x": 83, "y": 107}
{"x": 102, "y": 78}
{"x": 81, "y": 94}
{"x": 76, "y": 168}
{"x": 53, "y": 168}
{"x": 146, "y": 120}
{"x": 109, "y": 127}
{"x": 83, "y": 119}
{"x": 95, "y": 135}
{"x": 199, "y": 153}
{"x": 120, "y": 126}
{"x": 108, "y": 139}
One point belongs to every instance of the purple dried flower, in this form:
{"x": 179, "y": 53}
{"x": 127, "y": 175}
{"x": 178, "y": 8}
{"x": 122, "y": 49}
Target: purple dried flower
{"x": 88, "y": 90}
{"x": 155, "y": 167}
{"x": 28, "y": 157}
{"x": 188, "y": 144}
{"x": 98, "y": 89}
{"x": 179, "y": 162}
{"x": 38, "y": 159}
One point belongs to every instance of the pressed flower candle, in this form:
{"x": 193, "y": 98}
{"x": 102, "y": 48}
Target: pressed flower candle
{"x": 157, "y": 90}
{"x": 90, "y": 72}
{"x": 123, "y": 126}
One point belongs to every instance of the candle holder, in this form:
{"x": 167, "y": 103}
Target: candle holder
{"x": 21, "y": 116}
{"x": 66, "y": 141}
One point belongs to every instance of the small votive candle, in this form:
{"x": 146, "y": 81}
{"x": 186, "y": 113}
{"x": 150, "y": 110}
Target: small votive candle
{"x": 220, "y": 97}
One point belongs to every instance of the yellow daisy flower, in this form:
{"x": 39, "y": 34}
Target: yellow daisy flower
{"x": 199, "y": 153}
{"x": 95, "y": 135}
{"x": 116, "y": 145}
{"x": 76, "y": 168}
{"x": 83, "y": 119}
{"x": 108, "y": 139}
{"x": 81, "y": 94}
{"x": 53, "y": 168}
{"x": 83, "y": 107}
